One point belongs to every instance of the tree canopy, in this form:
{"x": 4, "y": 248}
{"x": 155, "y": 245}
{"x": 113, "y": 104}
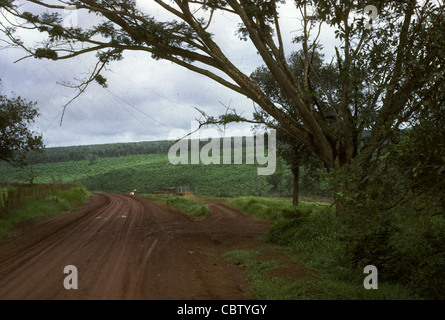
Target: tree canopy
{"x": 290, "y": 149}
{"x": 388, "y": 71}
{"x": 16, "y": 139}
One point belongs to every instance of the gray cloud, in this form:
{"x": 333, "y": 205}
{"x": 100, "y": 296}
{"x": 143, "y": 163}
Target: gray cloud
{"x": 145, "y": 99}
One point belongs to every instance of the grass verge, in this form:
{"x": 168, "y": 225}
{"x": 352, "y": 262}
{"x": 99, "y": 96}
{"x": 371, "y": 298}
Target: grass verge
{"x": 311, "y": 236}
{"x": 273, "y": 209}
{"x": 44, "y": 206}
{"x": 265, "y": 284}
{"x": 191, "y": 207}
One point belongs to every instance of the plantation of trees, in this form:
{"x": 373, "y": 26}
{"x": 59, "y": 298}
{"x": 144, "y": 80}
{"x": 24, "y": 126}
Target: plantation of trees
{"x": 121, "y": 167}
{"x": 76, "y": 153}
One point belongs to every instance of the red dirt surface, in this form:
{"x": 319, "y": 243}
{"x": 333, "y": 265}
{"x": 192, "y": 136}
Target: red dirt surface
{"x": 128, "y": 247}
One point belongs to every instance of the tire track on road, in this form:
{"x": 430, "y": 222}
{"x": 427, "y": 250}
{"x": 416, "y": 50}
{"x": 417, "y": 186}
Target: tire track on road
{"x": 125, "y": 247}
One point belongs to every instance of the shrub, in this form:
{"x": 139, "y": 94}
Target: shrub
{"x": 369, "y": 242}
{"x": 420, "y": 257}
{"x": 44, "y": 205}
{"x": 284, "y": 231}
{"x": 188, "y": 206}
{"x": 265, "y": 208}
{"x": 406, "y": 250}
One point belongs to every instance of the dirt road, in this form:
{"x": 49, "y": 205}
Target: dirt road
{"x": 126, "y": 247}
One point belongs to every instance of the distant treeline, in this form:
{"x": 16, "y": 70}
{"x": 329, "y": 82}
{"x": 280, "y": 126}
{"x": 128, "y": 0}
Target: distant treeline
{"x": 122, "y": 167}
{"x": 90, "y": 152}
{"x": 112, "y": 150}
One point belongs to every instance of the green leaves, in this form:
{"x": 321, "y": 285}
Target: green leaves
{"x": 229, "y": 118}
{"x": 45, "y": 53}
{"x": 15, "y": 138}
{"x": 101, "y": 80}
{"x": 30, "y": 17}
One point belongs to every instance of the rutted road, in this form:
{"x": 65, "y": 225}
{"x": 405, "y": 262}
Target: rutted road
{"x": 128, "y": 247}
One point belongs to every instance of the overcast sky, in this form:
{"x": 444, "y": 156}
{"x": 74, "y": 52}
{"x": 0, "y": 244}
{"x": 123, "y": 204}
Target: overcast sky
{"x": 145, "y": 99}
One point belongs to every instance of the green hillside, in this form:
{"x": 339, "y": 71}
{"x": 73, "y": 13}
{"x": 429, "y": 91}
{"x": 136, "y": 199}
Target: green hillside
{"x": 145, "y": 166}
{"x": 146, "y": 173}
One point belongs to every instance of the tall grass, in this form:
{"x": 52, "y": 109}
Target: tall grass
{"x": 274, "y": 209}
{"x": 45, "y": 202}
{"x": 12, "y": 196}
{"x": 186, "y": 205}
{"x": 316, "y": 238}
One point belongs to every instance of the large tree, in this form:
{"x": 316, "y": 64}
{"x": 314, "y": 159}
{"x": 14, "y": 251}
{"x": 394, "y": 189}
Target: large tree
{"x": 16, "y": 138}
{"x": 385, "y": 68}
{"x": 294, "y": 153}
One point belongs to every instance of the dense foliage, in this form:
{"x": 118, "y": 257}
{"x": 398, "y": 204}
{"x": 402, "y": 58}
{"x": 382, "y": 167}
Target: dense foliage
{"x": 16, "y": 138}
{"x": 407, "y": 248}
{"x": 32, "y": 202}
{"x": 189, "y": 206}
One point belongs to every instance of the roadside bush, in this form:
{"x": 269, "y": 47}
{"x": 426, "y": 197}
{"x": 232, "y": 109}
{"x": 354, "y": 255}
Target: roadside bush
{"x": 420, "y": 257}
{"x": 58, "y": 201}
{"x": 393, "y": 210}
{"x": 284, "y": 231}
{"x": 430, "y": 279}
{"x": 406, "y": 245}
{"x": 192, "y": 208}
{"x": 272, "y": 209}
{"x": 75, "y": 195}
{"x": 44, "y": 205}
{"x": 188, "y": 206}
{"x": 369, "y": 242}
{"x": 314, "y": 235}
{"x": 406, "y": 250}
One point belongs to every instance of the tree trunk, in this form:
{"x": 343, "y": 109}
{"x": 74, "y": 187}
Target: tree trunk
{"x": 296, "y": 173}
{"x": 339, "y": 206}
